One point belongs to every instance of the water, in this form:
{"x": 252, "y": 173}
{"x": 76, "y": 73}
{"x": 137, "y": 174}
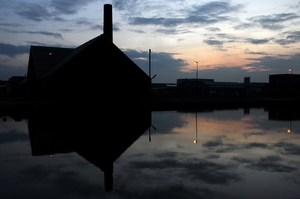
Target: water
{"x": 243, "y": 153}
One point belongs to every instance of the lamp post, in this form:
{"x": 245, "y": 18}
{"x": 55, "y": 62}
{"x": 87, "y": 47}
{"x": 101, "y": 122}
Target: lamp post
{"x": 291, "y": 70}
{"x": 196, "y": 70}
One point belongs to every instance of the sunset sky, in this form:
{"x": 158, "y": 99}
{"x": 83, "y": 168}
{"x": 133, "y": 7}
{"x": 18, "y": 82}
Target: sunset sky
{"x": 229, "y": 39}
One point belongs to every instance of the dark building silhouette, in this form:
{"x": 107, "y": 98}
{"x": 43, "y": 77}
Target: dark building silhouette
{"x": 100, "y": 139}
{"x": 211, "y": 88}
{"x": 96, "y": 71}
{"x": 284, "y": 85}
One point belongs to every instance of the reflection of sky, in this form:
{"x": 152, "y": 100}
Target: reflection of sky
{"x": 237, "y": 156}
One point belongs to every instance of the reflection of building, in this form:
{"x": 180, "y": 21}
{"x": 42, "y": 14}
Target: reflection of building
{"x": 284, "y": 85}
{"x": 100, "y": 139}
{"x": 96, "y": 71}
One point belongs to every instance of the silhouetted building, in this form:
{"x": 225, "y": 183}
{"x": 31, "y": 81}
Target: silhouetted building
{"x": 284, "y": 85}
{"x": 210, "y": 88}
{"x": 96, "y": 71}
{"x": 14, "y": 88}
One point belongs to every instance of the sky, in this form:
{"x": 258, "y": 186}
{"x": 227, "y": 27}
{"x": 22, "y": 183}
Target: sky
{"x": 230, "y": 40}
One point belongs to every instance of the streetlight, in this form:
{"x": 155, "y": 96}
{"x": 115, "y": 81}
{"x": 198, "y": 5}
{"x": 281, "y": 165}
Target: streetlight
{"x": 196, "y": 70}
{"x": 291, "y": 70}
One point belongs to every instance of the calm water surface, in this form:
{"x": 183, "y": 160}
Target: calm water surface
{"x": 244, "y": 153}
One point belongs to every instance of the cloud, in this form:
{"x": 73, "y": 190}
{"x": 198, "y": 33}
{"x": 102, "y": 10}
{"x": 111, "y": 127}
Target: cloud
{"x": 247, "y": 51}
{"x": 197, "y": 169}
{"x": 244, "y": 25}
{"x": 258, "y": 41}
{"x": 213, "y": 42}
{"x": 213, "y": 29}
{"x": 9, "y": 71}
{"x": 170, "y": 31}
{"x": 46, "y": 33}
{"x": 209, "y": 13}
{"x": 163, "y": 64}
{"x": 13, "y": 50}
{"x": 33, "y": 11}
{"x": 13, "y": 136}
{"x": 49, "y": 11}
{"x": 291, "y": 37}
{"x": 288, "y": 148}
{"x": 275, "y": 21}
{"x": 276, "y": 64}
{"x": 271, "y": 164}
{"x": 69, "y": 7}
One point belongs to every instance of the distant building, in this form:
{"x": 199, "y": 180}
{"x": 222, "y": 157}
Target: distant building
{"x": 210, "y": 88}
{"x": 96, "y": 71}
{"x": 284, "y": 85}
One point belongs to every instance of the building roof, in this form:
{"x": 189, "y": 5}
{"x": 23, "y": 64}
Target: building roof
{"x": 43, "y": 58}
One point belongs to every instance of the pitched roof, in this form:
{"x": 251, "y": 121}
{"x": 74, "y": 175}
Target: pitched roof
{"x": 70, "y": 56}
{"x": 45, "y": 57}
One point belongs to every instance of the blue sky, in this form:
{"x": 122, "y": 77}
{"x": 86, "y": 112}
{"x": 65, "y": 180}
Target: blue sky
{"x": 229, "y": 39}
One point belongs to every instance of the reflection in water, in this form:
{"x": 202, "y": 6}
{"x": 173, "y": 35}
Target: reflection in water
{"x": 243, "y": 153}
{"x": 99, "y": 139}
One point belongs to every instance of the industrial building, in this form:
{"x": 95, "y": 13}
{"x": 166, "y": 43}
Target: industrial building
{"x": 213, "y": 89}
{"x": 284, "y": 85}
{"x": 96, "y": 71}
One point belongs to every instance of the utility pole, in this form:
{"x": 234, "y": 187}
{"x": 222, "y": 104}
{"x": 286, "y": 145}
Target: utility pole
{"x": 150, "y": 64}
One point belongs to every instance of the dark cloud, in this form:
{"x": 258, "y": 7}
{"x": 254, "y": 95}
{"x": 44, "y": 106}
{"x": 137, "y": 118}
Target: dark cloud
{"x": 63, "y": 183}
{"x": 216, "y": 8}
{"x": 217, "y": 145}
{"x": 49, "y": 11}
{"x": 216, "y": 142}
{"x": 213, "y": 29}
{"x": 247, "y": 51}
{"x": 253, "y": 134}
{"x": 268, "y": 163}
{"x": 271, "y": 164}
{"x": 69, "y": 7}
{"x": 170, "y": 31}
{"x": 13, "y": 136}
{"x": 276, "y": 64}
{"x": 291, "y": 37}
{"x": 163, "y": 64}
{"x": 46, "y": 33}
{"x": 13, "y": 50}
{"x": 213, "y": 42}
{"x": 287, "y": 148}
{"x": 275, "y": 21}
{"x": 209, "y": 13}
{"x": 256, "y": 145}
{"x": 33, "y": 11}
{"x": 258, "y": 41}
{"x": 242, "y": 26}
{"x": 197, "y": 169}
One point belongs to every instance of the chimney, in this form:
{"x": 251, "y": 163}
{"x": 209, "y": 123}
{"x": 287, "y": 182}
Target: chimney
{"x": 108, "y": 22}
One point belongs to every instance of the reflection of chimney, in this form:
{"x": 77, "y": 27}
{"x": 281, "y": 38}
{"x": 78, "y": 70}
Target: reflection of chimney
{"x": 108, "y": 22}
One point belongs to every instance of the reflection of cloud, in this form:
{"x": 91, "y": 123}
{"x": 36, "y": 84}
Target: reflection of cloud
{"x": 269, "y": 163}
{"x": 13, "y": 136}
{"x": 63, "y": 184}
{"x": 253, "y": 134}
{"x": 197, "y": 169}
{"x": 288, "y": 148}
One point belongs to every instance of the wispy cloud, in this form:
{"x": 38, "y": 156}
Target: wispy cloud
{"x": 46, "y": 33}
{"x": 209, "y": 13}
{"x": 13, "y": 50}
{"x": 49, "y": 10}
{"x": 275, "y": 21}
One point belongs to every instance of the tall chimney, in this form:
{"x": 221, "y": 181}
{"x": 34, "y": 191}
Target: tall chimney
{"x": 108, "y": 22}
